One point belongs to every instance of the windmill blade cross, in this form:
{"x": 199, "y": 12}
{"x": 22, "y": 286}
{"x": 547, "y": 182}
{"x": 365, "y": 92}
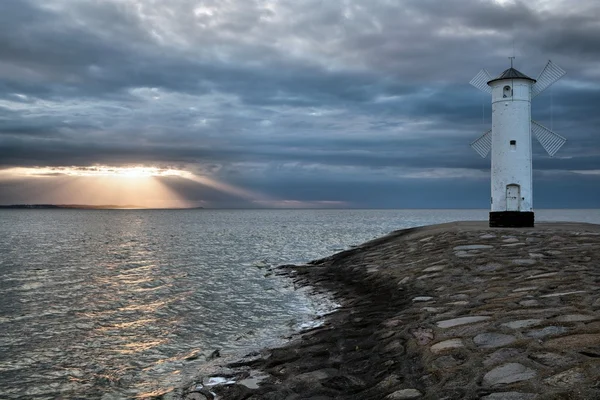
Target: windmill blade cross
{"x": 550, "y": 74}
{"x": 550, "y": 141}
{"x": 480, "y": 81}
{"x": 483, "y": 144}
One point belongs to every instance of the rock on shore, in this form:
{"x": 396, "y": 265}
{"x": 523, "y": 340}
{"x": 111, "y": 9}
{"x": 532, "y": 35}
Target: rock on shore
{"x": 451, "y": 311}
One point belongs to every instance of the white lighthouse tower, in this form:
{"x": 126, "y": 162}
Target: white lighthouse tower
{"x": 510, "y": 141}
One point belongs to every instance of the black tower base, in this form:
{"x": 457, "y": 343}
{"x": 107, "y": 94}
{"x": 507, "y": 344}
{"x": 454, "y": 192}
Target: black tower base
{"x": 511, "y": 219}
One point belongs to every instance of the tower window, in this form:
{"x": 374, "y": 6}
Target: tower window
{"x": 507, "y": 91}
{"x": 513, "y": 145}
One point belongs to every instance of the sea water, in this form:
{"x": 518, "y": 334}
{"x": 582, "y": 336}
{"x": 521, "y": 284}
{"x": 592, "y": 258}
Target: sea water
{"x": 127, "y": 303}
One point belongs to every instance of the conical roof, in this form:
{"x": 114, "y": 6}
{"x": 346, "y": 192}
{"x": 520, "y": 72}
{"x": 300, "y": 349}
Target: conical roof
{"x": 512, "y": 73}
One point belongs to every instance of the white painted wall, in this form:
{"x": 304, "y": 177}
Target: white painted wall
{"x": 511, "y": 120}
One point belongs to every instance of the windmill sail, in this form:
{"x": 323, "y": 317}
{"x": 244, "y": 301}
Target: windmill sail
{"x": 550, "y": 141}
{"x": 480, "y": 81}
{"x": 483, "y": 144}
{"x": 550, "y": 74}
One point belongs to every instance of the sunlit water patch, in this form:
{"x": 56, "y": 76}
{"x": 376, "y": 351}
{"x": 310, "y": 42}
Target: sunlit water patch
{"x": 118, "y": 303}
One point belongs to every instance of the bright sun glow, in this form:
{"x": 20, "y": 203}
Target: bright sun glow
{"x": 135, "y": 186}
{"x": 102, "y": 171}
{"x": 132, "y": 187}
{"x": 139, "y": 173}
{"x": 100, "y": 185}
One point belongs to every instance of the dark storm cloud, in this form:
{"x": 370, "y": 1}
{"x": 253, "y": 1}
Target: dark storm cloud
{"x": 259, "y": 90}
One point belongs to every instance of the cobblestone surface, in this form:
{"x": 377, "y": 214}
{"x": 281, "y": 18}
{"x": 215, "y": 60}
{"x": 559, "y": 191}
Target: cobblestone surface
{"x": 487, "y": 313}
{"x": 538, "y": 304}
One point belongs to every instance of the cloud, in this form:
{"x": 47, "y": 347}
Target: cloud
{"x": 348, "y": 90}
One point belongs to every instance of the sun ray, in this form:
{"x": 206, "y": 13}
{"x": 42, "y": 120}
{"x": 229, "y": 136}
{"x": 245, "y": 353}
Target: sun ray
{"x": 136, "y": 186}
{"x": 226, "y": 187}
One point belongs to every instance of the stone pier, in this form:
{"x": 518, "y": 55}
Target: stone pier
{"x": 452, "y": 311}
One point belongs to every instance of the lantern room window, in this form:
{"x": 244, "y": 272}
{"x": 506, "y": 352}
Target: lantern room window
{"x": 507, "y": 91}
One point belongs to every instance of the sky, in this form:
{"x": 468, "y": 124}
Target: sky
{"x": 286, "y": 103}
